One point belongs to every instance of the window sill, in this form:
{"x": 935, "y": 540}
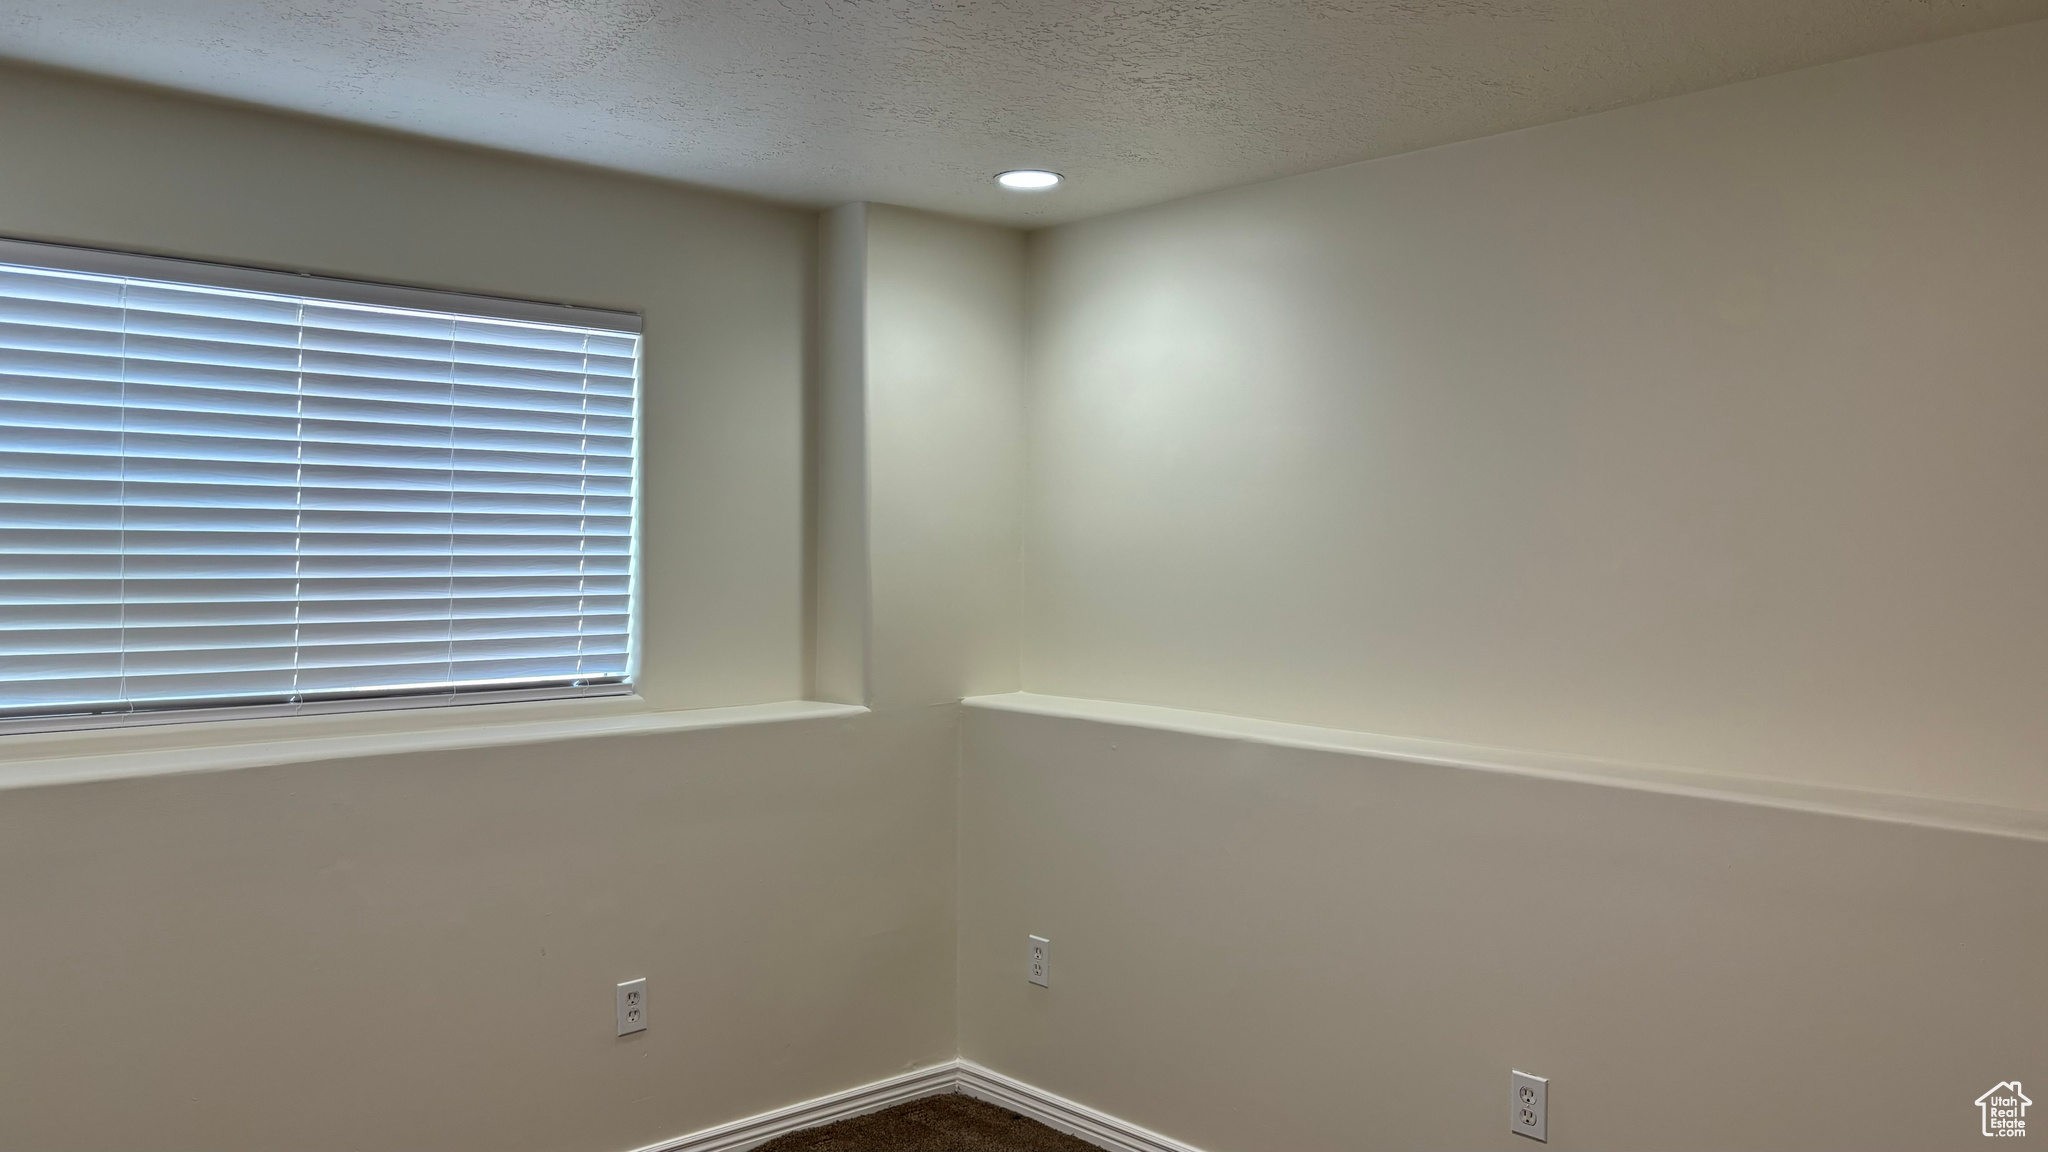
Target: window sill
{"x": 84, "y": 765}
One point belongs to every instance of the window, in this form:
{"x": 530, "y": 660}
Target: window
{"x": 230, "y": 492}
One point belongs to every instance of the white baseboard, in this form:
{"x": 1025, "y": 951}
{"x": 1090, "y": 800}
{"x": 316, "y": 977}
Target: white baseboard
{"x": 755, "y": 1130}
{"x": 964, "y": 1076}
{"x": 1098, "y": 1128}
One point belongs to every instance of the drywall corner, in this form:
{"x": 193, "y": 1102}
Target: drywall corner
{"x": 839, "y": 671}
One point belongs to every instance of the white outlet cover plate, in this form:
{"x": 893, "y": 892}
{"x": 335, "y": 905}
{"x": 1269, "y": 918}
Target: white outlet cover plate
{"x": 1529, "y": 1106}
{"x": 1038, "y": 967}
{"x": 633, "y": 1006}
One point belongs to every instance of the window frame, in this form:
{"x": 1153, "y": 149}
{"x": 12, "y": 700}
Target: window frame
{"x": 209, "y": 274}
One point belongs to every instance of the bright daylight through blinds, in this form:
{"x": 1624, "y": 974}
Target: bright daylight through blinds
{"x": 214, "y": 496}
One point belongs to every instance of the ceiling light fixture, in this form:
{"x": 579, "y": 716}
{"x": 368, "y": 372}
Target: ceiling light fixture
{"x": 1028, "y": 179}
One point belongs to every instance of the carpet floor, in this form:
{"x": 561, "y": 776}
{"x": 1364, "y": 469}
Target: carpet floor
{"x": 950, "y": 1123}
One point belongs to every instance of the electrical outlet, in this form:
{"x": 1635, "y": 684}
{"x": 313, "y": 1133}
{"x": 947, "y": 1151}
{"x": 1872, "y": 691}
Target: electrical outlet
{"x": 633, "y": 1006}
{"x": 1039, "y": 970}
{"x": 1529, "y": 1106}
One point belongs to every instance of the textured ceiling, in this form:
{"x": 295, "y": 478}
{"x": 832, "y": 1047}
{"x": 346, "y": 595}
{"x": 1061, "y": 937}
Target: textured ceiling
{"x": 821, "y": 101}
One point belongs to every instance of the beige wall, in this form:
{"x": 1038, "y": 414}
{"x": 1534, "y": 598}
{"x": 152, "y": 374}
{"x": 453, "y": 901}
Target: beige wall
{"x": 724, "y": 285}
{"x": 921, "y": 457}
{"x": 1258, "y": 947}
{"x": 1709, "y": 433}
{"x": 418, "y": 951}
{"x": 840, "y": 445}
{"x": 945, "y": 376}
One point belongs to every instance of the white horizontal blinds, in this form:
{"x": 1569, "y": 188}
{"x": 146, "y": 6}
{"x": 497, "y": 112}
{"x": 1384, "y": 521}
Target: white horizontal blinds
{"x": 213, "y": 497}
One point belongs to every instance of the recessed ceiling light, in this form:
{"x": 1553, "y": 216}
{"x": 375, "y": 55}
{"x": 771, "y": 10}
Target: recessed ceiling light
{"x": 1028, "y": 179}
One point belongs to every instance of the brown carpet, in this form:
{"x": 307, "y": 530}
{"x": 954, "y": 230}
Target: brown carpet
{"x": 949, "y": 1123}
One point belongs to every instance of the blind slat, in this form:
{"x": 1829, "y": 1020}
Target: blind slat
{"x": 219, "y": 497}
